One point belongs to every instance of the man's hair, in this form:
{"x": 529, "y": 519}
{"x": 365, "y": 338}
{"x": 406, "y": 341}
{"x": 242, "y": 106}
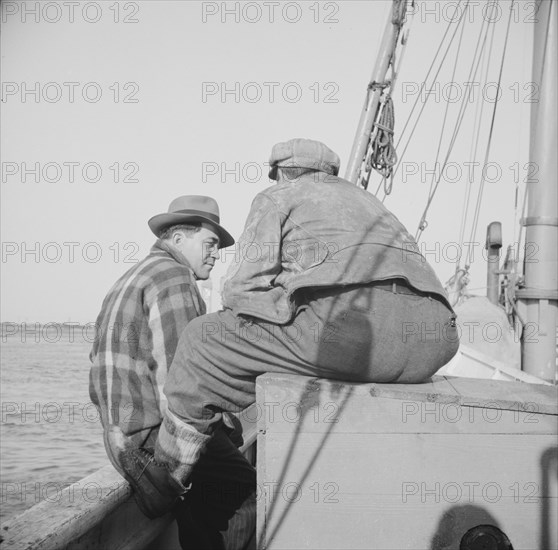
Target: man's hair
{"x": 292, "y": 173}
{"x": 188, "y": 228}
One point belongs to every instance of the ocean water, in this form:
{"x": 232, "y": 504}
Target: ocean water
{"x": 51, "y": 435}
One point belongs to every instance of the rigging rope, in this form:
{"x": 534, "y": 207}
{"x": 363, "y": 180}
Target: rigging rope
{"x": 383, "y": 154}
{"x": 487, "y": 154}
{"x": 473, "y": 155}
{"x": 446, "y": 113}
{"x": 460, "y": 117}
{"x": 380, "y": 153}
{"x": 461, "y": 19}
{"x": 432, "y": 65}
{"x": 398, "y": 13}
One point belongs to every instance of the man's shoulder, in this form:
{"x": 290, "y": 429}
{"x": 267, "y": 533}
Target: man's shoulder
{"x": 155, "y": 270}
{"x": 318, "y": 187}
{"x": 144, "y": 282}
{"x": 342, "y": 185}
{"x": 313, "y": 185}
{"x": 267, "y": 194}
{"x": 161, "y": 268}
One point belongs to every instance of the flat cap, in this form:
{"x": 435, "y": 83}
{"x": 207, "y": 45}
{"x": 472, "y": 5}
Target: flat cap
{"x": 303, "y": 153}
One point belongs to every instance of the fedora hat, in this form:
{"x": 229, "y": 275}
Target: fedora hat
{"x": 191, "y": 209}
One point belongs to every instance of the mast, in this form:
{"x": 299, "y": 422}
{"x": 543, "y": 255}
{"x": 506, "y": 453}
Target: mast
{"x": 539, "y": 298}
{"x": 372, "y": 101}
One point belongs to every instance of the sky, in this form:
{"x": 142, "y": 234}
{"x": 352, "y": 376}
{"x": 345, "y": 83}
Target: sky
{"x": 112, "y": 109}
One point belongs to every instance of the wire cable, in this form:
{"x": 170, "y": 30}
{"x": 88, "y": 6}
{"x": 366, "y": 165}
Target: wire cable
{"x": 446, "y": 111}
{"x": 488, "y": 147}
{"x": 472, "y": 73}
{"x": 473, "y": 156}
{"x": 461, "y": 18}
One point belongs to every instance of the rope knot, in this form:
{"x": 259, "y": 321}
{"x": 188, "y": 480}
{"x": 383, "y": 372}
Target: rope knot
{"x": 378, "y": 85}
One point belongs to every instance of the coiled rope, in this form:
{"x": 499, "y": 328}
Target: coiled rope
{"x": 383, "y": 155}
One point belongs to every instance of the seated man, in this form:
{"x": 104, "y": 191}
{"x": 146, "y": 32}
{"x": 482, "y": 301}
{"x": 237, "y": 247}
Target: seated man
{"x": 138, "y": 329}
{"x": 339, "y": 290}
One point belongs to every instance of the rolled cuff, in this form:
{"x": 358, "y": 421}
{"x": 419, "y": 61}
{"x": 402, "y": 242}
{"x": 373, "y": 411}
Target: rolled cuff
{"x": 179, "y": 445}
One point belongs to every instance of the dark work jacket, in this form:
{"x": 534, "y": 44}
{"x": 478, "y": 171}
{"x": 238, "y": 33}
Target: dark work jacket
{"x": 318, "y": 231}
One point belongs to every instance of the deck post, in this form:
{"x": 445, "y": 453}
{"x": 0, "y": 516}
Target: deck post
{"x": 539, "y": 298}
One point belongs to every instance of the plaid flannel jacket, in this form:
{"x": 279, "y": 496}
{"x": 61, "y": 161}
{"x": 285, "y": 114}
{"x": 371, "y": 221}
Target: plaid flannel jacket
{"x": 138, "y": 328}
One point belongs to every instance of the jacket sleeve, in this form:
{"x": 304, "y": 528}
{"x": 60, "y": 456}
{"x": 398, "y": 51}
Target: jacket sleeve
{"x": 257, "y": 260}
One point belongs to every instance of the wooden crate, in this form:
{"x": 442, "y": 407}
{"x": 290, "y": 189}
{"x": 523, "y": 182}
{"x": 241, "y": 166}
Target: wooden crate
{"x": 391, "y": 466}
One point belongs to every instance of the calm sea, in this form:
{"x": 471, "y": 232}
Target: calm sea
{"x": 51, "y": 433}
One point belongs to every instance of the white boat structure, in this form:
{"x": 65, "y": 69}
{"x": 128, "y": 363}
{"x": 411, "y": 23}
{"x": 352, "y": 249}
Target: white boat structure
{"x": 467, "y": 461}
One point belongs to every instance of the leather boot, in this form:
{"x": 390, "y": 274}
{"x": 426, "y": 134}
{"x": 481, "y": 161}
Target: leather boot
{"x": 155, "y": 490}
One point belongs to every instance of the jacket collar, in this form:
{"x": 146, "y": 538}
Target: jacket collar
{"x": 161, "y": 245}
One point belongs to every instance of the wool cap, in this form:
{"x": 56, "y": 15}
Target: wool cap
{"x": 303, "y": 153}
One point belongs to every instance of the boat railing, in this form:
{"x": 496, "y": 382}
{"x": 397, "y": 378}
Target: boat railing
{"x": 97, "y": 512}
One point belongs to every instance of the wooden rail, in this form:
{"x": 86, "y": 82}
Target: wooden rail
{"x": 97, "y": 512}
{"x": 472, "y": 363}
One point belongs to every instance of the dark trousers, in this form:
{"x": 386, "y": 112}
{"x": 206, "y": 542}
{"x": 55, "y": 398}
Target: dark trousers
{"x": 222, "y": 498}
{"x": 371, "y": 333}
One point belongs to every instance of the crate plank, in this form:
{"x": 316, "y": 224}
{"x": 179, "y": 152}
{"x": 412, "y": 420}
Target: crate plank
{"x": 322, "y": 406}
{"x": 386, "y": 466}
{"x": 359, "y": 490}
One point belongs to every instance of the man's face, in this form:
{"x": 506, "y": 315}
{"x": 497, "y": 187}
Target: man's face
{"x": 201, "y": 249}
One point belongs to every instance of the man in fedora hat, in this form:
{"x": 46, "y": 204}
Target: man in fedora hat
{"x": 339, "y": 290}
{"x": 138, "y": 328}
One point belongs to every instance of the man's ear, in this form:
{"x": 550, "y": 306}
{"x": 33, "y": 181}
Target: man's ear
{"x": 177, "y": 237}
